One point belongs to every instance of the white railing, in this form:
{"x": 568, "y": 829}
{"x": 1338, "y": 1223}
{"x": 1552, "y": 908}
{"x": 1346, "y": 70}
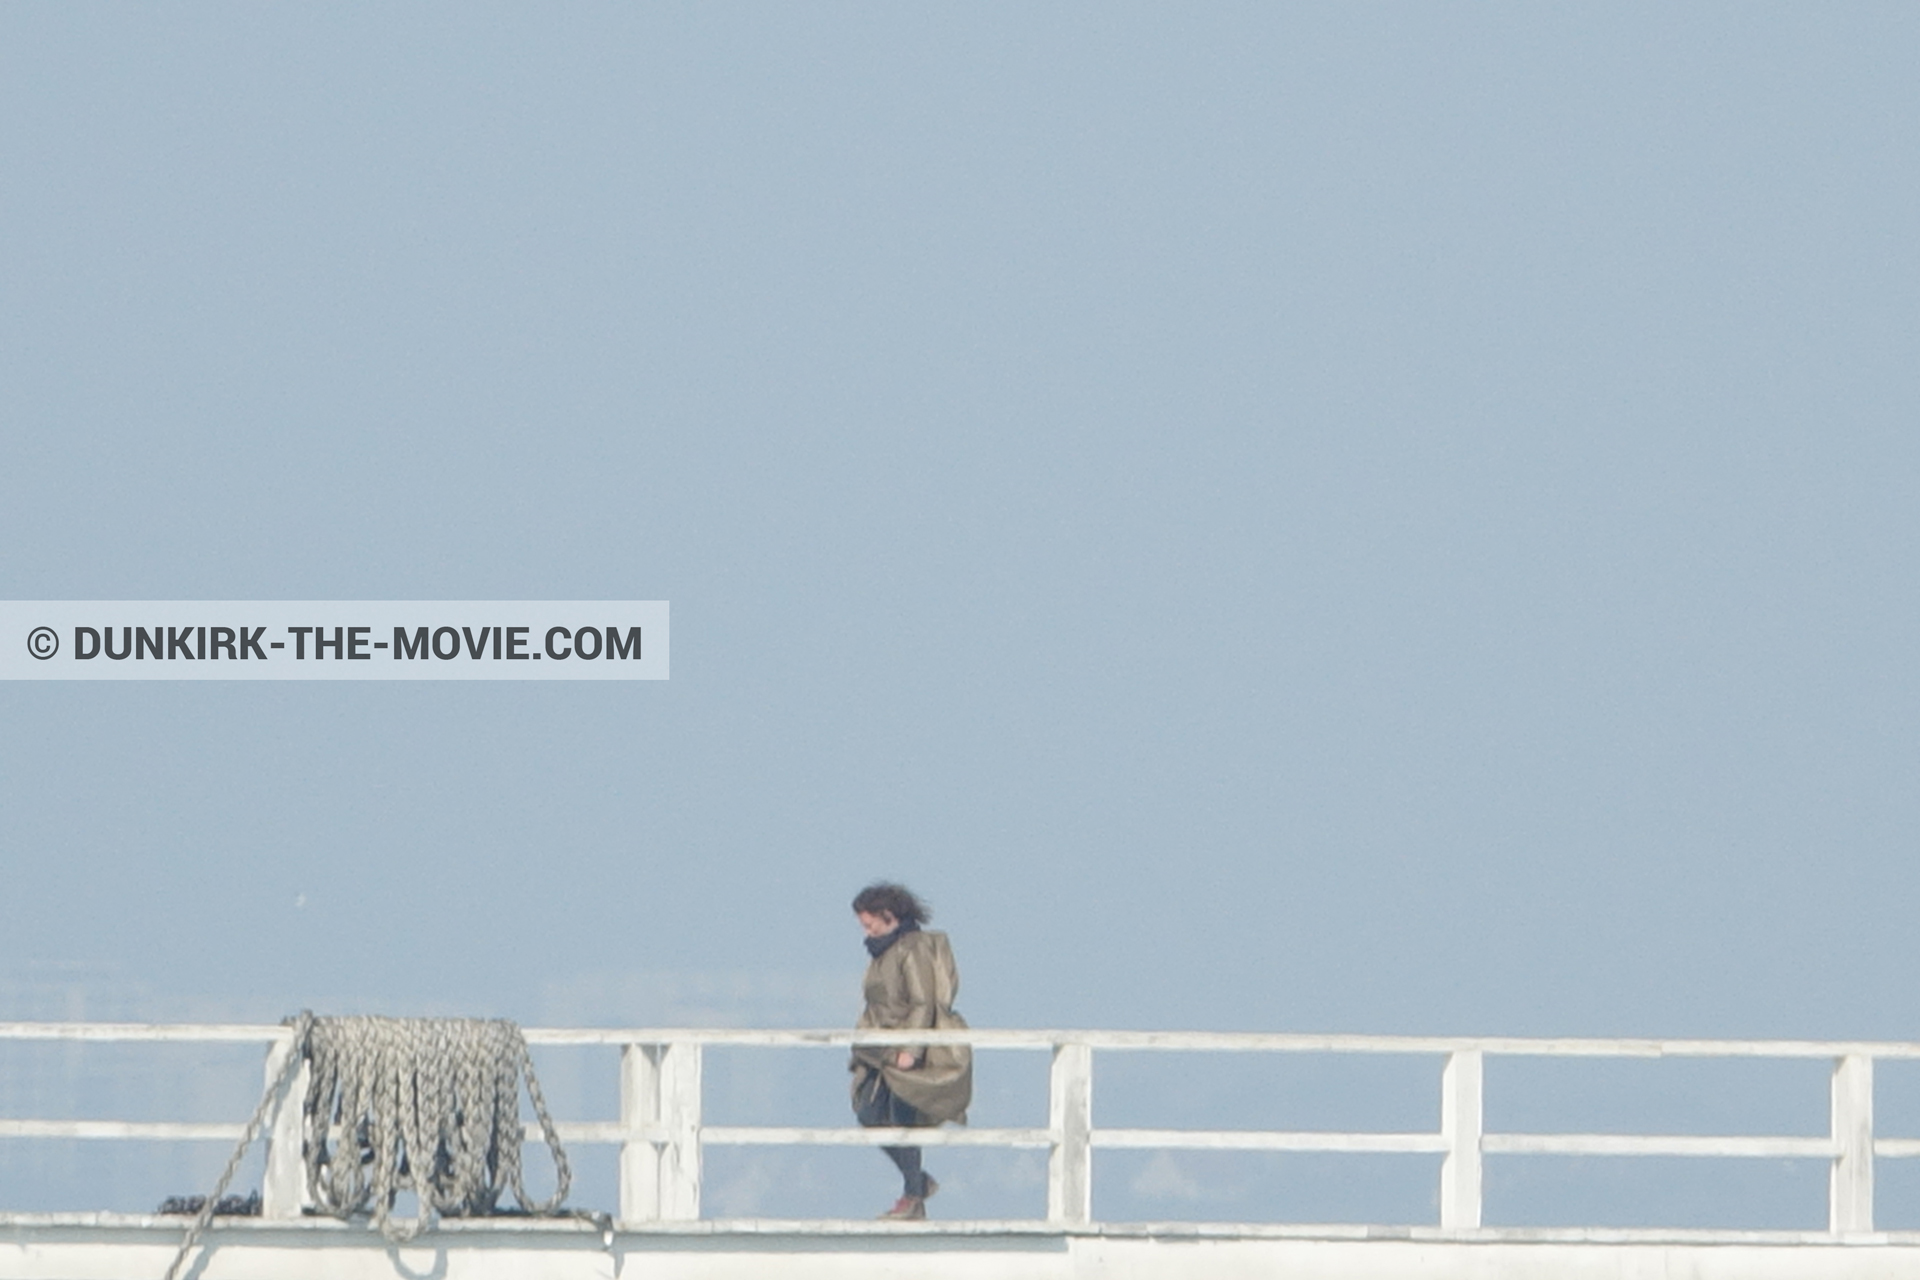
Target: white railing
{"x": 661, "y": 1135}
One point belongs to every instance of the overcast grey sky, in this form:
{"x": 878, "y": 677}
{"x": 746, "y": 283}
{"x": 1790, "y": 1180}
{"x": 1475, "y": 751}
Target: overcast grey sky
{"x": 1386, "y": 518}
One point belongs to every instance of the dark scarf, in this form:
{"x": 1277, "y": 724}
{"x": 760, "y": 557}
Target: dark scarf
{"x": 877, "y": 947}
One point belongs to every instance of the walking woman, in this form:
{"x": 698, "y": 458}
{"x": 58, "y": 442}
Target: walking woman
{"x": 910, "y": 984}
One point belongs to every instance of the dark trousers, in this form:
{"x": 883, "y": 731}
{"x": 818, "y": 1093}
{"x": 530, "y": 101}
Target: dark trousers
{"x": 877, "y": 1108}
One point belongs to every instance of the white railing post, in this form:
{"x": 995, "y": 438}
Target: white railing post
{"x": 1460, "y": 1126}
{"x": 639, "y": 1116}
{"x": 1070, "y": 1121}
{"x": 283, "y": 1188}
{"x": 1850, "y": 1184}
{"x": 680, "y": 1158}
{"x": 660, "y": 1155}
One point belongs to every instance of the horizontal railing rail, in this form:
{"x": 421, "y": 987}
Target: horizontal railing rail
{"x": 661, "y": 1134}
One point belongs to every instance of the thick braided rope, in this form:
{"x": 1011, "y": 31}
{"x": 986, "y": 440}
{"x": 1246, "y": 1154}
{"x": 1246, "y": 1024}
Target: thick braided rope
{"x": 198, "y": 1227}
{"x": 428, "y": 1105}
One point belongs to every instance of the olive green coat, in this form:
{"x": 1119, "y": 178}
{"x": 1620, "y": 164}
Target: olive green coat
{"x": 911, "y": 985}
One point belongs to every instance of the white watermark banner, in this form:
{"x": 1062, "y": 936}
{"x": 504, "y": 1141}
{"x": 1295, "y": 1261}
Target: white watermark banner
{"x": 333, "y": 639}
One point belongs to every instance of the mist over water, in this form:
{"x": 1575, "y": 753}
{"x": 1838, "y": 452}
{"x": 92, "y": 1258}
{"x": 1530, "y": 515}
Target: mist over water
{"x": 1395, "y": 520}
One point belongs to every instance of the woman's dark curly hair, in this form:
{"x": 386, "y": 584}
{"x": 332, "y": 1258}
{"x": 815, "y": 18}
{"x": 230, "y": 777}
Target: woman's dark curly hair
{"x": 884, "y": 898}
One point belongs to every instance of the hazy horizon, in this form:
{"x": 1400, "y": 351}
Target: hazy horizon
{"x": 1325, "y": 518}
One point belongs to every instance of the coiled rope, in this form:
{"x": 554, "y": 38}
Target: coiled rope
{"x": 428, "y": 1105}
